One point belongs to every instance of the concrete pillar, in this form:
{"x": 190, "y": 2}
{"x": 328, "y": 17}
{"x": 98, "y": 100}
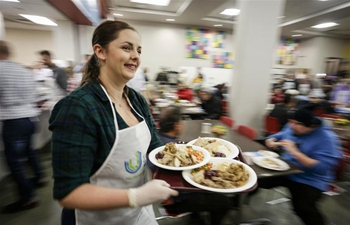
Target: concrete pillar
{"x": 256, "y": 34}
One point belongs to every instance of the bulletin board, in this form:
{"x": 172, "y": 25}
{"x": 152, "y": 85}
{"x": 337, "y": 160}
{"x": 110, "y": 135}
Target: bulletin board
{"x": 288, "y": 52}
{"x": 218, "y": 39}
{"x": 223, "y": 60}
{"x": 197, "y": 43}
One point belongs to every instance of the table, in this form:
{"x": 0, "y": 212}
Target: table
{"x": 191, "y": 130}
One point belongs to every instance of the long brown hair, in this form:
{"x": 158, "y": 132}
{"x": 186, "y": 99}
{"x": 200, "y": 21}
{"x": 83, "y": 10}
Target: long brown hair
{"x": 104, "y": 34}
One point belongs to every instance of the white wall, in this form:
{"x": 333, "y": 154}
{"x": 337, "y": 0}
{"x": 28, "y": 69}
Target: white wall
{"x": 25, "y": 44}
{"x": 164, "y": 45}
{"x": 314, "y": 51}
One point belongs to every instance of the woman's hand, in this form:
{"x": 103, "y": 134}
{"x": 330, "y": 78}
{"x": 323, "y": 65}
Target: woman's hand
{"x": 151, "y": 192}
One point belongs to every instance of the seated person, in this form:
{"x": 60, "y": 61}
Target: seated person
{"x": 277, "y": 96}
{"x": 184, "y": 92}
{"x": 280, "y": 111}
{"x": 311, "y": 146}
{"x": 217, "y": 204}
{"x": 170, "y": 124}
{"x": 210, "y": 104}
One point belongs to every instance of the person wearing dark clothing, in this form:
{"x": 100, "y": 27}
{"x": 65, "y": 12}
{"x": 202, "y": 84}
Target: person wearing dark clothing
{"x": 211, "y": 104}
{"x": 59, "y": 74}
{"x": 220, "y": 90}
{"x": 170, "y": 124}
{"x": 162, "y": 77}
{"x": 281, "y": 110}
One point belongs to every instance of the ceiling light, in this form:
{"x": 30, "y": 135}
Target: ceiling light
{"x": 153, "y": 2}
{"x": 230, "y": 12}
{"x": 117, "y": 14}
{"x": 170, "y": 19}
{"x": 281, "y": 17}
{"x": 10, "y": 1}
{"x": 323, "y": 0}
{"x": 297, "y": 35}
{"x": 325, "y": 25}
{"x": 39, "y": 20}
{"x": 218, "y": 25}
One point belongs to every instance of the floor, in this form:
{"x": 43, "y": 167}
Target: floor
{"x": 335, "y": 208}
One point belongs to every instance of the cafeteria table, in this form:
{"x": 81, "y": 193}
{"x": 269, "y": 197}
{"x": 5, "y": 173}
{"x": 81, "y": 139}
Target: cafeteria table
{"x": 192, "y": 130}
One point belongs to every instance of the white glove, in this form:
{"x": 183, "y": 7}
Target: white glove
{"x": 151, "y": 192}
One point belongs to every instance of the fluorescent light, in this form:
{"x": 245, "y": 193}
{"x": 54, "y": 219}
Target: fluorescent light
{"x": 321, "y": 74}
{"x": 117, "y": 14}
{"x": 170, "y": 19}
{"x": 10, "y": 1}
{"x": 153, "y": 2}
{"x": 325, "y": 25}
{"x": 230, "y": 12}
{"x": 39, "y": 20}
{"x": 218, "y": 25}
{"x": 297, "y": 35}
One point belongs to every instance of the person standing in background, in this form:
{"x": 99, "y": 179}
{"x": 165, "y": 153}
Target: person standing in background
{"x": 59, "y": 74}
{"x": 79, "y": 67}
{"x": 183, "y": 77}
{"x": 18, "y": 112}
{"x": 58, "y": 83}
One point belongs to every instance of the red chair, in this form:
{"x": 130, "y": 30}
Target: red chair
{"x": 224, "y": 105}
{"x": 227, "y": 121}
{"x": 271, "y": 125}
{"x": 332, "y": 116}
{"x": 249, "y": 132}
{"x": 318, "y": 111}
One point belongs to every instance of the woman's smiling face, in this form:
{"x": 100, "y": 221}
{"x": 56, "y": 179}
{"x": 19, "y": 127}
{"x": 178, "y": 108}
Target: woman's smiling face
{"x": 122, "y": 57}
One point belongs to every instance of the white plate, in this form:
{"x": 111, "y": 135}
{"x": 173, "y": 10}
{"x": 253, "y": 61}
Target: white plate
{"x": 283, "y": 166}
{"x": 186, "y": 174}
{"x": 206, "y": 158}
{"x": 268, "y": 153}
{"x": 233, "y": 148}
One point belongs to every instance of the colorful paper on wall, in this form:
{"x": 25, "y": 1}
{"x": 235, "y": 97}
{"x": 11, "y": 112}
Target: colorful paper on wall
{"x": 218, "y": 39}
{"x": 287, "y": 52}
{"x": 197, "y": 42}
{"x": 223, "y": 60}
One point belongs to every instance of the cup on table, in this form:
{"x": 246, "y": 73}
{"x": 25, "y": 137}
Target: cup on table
{"x": 206, "y": 128}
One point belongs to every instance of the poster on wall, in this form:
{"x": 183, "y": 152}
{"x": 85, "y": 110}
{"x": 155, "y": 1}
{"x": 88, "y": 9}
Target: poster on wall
{"x": 288, "y": 52}
{"x": 223, "y": 60}
{"x": 218, "y": 39}
{"x": 197, "y": 42}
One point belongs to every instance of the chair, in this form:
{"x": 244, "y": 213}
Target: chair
{"x": 227, "y": 121}
{"x": 318, "y": 111}
{"x": 225, "y": 109}
{"x": 271, "y": 125}
{"x": 332, "y": 116}
{"x": 249, "y": 132}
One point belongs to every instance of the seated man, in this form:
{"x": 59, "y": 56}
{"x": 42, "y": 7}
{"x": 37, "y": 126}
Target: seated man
{"x": 211, "y": 104}
{"x": 170, "y": 124}
{"x": 309, "y": 145}
{"x": 280, "y": 111}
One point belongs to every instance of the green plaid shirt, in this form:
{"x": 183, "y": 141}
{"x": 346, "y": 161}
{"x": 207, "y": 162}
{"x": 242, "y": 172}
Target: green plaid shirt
{"x": 83, "y": 133}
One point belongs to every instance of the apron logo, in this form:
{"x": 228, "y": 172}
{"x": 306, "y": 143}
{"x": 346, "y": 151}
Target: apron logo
{"x": 130, "y": 167}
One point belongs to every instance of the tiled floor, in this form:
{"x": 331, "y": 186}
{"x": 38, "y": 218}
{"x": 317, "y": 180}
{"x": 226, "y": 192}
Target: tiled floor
{"x": 335, "y": 208}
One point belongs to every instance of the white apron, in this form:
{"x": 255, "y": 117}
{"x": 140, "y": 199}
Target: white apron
{"x": 123, "y": 168}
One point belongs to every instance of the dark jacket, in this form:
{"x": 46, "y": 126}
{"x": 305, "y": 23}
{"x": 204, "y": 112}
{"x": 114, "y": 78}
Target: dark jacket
{"x": 281, "y": 113}
{"x": 213, "y": 108}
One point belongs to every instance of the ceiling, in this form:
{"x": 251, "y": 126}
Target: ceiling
{"x": 299, "y": 15}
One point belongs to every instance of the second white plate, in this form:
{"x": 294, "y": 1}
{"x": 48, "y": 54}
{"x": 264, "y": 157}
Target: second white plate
{"x": 233, "y": 148}
{"x": 276, "y": 164}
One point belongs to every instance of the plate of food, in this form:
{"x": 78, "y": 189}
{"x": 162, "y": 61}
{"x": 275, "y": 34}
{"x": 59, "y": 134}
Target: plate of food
{"x": 179, "y": 157}
{"x": 216, "y": 146}
{"x": 268, "y": 153}
{"x": 271, "y": 163}
{"x": 222, "y": 175}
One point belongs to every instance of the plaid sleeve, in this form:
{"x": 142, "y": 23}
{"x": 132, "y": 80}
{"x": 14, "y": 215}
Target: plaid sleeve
{"x": 74, "y": 143}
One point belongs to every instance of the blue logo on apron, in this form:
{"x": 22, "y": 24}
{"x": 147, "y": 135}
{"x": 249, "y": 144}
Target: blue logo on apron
{"x": 130, "y": 168}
